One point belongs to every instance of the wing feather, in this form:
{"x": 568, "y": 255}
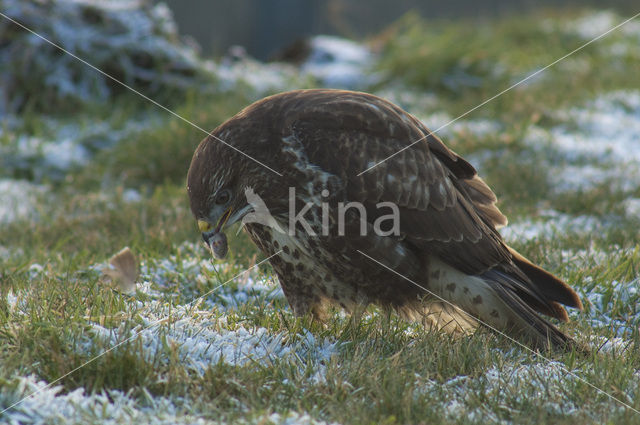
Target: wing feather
{"x": 444, "y": 207}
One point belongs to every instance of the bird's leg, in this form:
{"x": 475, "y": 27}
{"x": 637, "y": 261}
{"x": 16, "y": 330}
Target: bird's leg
{"x": 307, "y": 306}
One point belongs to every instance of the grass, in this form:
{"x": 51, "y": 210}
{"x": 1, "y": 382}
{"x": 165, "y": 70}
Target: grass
{"x": 56, "y": 313}
{"x": 166, "y": 150}
{"x": 466, "y": 63}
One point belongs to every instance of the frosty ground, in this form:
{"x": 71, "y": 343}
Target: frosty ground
{"x": 205, "y": 342}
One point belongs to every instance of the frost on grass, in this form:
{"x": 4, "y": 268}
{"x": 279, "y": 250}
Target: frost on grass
{"x": 612, "y": 305}
{"x": 512, "y": 390}
{"x": 50, "y": 405}
{"x": 202, "y": 330}
{"x": 191, "y": 272}
{"x": 205, "y": 338}
{"x": 18, "y": 201}
{"x": 291, "y": 418}
{"x": 187, "y": 335}
{"x": 197, "y": 339}
{"x": 202, "y": 339}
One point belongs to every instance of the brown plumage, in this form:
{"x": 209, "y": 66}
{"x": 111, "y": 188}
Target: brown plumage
{"x": 446, "y": 241}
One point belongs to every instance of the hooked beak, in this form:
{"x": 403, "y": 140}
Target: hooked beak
{"x": 206, "y": 228}
{"x": 227, "y": 219}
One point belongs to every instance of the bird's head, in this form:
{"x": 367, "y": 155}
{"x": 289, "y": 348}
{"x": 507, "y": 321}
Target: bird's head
{"x": 216, "y": 190}
{"x": 228, "y": 161}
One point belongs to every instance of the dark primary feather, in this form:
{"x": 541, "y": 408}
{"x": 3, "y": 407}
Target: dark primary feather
{"x": 554, "y": 288}
{"x": 503, "y": 285}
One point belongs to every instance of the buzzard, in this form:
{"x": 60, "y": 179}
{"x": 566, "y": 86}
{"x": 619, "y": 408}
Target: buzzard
{"x": 366, "y": 206}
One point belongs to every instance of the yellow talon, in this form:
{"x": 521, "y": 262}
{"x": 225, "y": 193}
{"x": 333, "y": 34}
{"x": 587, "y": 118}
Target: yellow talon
{"x": 204, "y": 226}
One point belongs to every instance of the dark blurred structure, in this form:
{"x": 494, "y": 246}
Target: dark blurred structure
{"x": 264, "y": 27}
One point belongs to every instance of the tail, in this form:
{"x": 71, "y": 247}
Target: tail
{"x": 528, "y": 290}
{"x": 555, "y": 291}
{"x": 524, "y": 322}
{"x": 509, "y": 299}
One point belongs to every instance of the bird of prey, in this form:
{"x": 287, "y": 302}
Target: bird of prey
{"x": 371, "y": 209}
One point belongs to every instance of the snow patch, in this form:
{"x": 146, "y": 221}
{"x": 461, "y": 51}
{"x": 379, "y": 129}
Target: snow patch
{"x": 61, "y": 147}
{"x": 332, "y": 61}
{"x": 131, "y": 196}
{"x": 549, "y": 224}
{"x": 260, "y": 78}
{"x": 591, "y": 255}
{"x": 134, "y": 40}
{"x": 12, "y": 300}
{"x": 291, "y": 418}
{"x": 598, "y": 145}
{"x": 19, "y": 200}
{"x": 410, "y": 100}
{"x": 614, "y": 345}
{"x": 594, "y": 24}
{"x": 338, "y": 62}
{"x": 441, "y": 124}
{"x": 574, "y": 178}
{"x": 608, "y": 129}
{"x": 632, "y": 208}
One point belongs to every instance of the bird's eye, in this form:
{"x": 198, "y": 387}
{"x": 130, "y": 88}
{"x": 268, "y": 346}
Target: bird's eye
{"x": 223, "y": 197}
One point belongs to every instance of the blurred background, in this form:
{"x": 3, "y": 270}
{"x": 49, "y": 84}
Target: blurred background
{"x": 266, "y": 27}
{"x": 207, "y": 59}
